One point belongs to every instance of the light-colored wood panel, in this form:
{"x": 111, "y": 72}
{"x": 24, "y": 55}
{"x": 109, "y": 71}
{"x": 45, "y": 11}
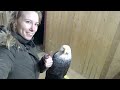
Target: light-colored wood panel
{"x": 108, "y": 30}
{"x": 60, "y": 31}
{"x": 113, "y": 58}
{"x": 89, "y": 33}
{"x": 4, "y": 17}
{"x": 78, "y": 41}
{"x": 1, "y": 18}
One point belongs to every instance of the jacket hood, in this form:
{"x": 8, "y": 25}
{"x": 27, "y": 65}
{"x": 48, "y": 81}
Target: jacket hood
{"x": 6, "y": 38}
{"x": 9, "y": 38}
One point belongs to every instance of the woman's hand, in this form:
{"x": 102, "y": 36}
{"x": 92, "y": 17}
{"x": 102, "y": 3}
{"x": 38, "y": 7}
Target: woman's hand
{"x": 48, "y": 61}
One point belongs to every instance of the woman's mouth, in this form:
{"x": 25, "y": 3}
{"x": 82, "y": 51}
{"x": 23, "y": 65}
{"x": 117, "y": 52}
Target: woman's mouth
{"x": 30, "y": 34}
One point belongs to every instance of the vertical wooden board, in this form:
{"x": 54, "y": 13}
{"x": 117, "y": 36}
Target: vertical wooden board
{"x": 1, "y": 21}
{"x": 50, "y": 28}
{"x": 80, "y": 37}
{"x": 0, "y": 18}
{"x": 63, "y": 29}
{"x": 86, "y": 37}
{"x": 60, "y": 28}
{"x": 47, "y": 31}
{"x": 81, "y": 40}
{"x": 78, "y": 57}
{"x": 93, "y": 66}
{"x": 108, "y": 30}
{"x": 8, "y": 13}
{"x": 102, "y": 44}
{"x": 97, "y": 54}
{"x": 114, "y": 68}
{"x": 94, "y": 24}
{"x": 54, "y": 31}
{"x": 90, "y": 42}
{"x": 4, "y": 17}
{"x": 111, "y": 67}
{"x": 50, "y": 31}
{"x": 98, "y": 44}
{"x": 112, "y": 52}
{"x": 66, "y": 29}
{"x": 66, "y": 25}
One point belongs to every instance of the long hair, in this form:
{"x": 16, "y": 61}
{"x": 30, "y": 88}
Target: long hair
{"x": 14, "y": 15}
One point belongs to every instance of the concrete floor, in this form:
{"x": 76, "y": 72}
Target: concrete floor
{"x": 71, "y": 73}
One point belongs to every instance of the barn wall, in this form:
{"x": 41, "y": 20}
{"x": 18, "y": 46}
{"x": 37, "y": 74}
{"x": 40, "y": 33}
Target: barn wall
{"x": 93, "y": 37}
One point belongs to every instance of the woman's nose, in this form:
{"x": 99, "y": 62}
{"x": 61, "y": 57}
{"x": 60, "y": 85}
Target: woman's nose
{"x": 33, "y": 28}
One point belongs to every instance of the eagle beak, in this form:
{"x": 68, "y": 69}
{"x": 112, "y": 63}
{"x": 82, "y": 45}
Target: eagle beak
{"x": 64, "y": 51}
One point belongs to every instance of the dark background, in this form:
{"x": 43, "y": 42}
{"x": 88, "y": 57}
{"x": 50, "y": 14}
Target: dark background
{"x": 39, "y": 36}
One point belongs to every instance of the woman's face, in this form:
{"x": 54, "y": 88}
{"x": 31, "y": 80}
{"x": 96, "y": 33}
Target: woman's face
{"x": 27, "y": 24}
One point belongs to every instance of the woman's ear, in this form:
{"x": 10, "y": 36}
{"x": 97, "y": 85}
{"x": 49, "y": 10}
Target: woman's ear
{"x": 15, "y": 25}
{"x": 15, "y": 22}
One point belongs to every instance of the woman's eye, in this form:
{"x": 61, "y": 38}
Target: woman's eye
{"x": 37, "y": 24}
{"x": 28, "y": 22}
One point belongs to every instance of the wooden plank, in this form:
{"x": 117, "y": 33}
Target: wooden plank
{"x": 49, "y": 26}
{"x": 98, "y": 46}
{"x": 92, "y": 42}
{"x": 60, "y": 32}
{"x": 108, "y": 30}
{"x": 74, "y": 43}
{"x": 4, "y": 17}
{"x": 112, "y": 59}
{"x": 113, "y": 70}
{"x": 1, "y": 18}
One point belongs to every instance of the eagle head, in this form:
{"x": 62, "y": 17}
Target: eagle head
{"x": 65, "y": 52}
{"x": 65, "y": 49}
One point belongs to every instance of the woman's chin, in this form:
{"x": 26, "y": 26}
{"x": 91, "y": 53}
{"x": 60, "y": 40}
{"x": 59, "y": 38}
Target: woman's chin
{"x": 28, "y": 38}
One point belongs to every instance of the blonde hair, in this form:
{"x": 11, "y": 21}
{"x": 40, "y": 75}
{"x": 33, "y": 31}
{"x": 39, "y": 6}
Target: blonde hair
{"x": 14, "y": 15}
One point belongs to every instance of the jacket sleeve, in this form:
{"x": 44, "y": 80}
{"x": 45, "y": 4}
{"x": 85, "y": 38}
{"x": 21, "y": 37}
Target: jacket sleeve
{"x": 40, "y": 62}
{"x": 5, "y": 65}
{"x": 42, "y": 66}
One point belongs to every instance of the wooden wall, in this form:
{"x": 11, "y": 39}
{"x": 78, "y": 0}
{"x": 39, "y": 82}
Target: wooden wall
{"x": 93, "y": 37}
{"x": 4, "y": 17}
{"x": 113, "y": 59}
{"x": 1, "y": 18}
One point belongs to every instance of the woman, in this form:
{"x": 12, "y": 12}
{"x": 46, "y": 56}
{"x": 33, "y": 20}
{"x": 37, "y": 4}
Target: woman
{"x": 18, "y": 58}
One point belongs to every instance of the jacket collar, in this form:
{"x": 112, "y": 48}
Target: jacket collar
{"x": 22, "y": 40}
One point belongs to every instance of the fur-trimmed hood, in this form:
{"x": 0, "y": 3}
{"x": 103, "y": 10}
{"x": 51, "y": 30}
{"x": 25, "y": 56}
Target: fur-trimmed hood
{"x": 9, "y": 38}
{"x": 6, "y": 38}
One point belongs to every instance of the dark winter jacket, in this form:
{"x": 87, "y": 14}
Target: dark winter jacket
{"x": 20, "y": 61}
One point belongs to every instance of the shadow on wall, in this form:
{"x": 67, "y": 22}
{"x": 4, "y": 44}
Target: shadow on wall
{"x": 117, "y": 76}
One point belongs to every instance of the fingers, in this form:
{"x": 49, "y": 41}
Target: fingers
{"x": 48, "y": 62}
